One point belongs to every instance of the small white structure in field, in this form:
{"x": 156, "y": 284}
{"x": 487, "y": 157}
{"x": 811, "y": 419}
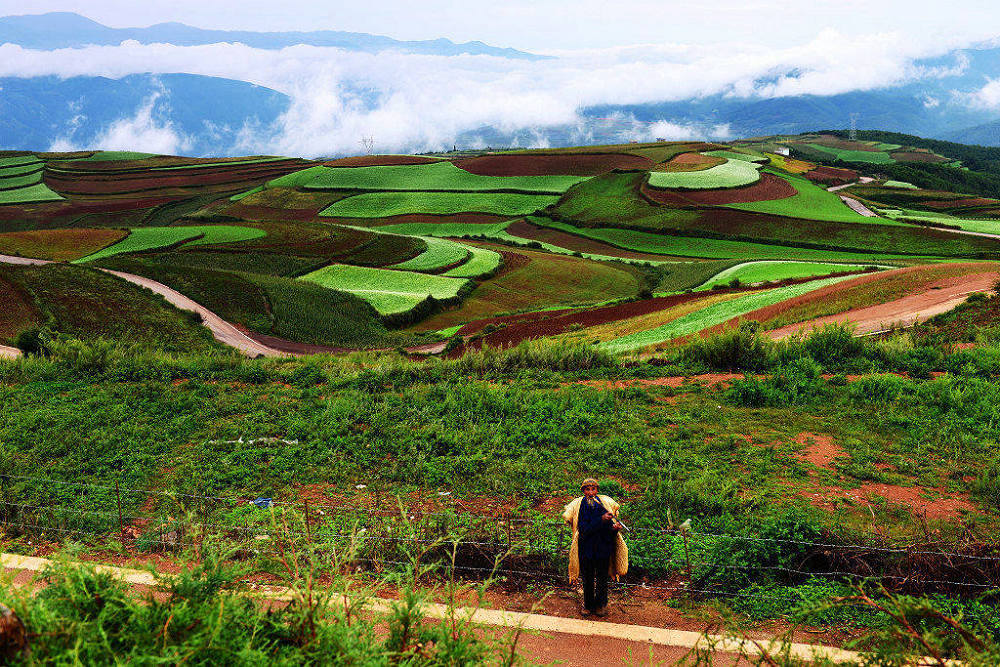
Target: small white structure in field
{"x": 783, "y": 150}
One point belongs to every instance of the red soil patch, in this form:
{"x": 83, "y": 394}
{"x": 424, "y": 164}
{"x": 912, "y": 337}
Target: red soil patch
{"x": 913, "y": 156}
{"x": 934, "y": 299}
{"x": 844, "y": 144}
{"x": 167, "y": 161}
{"x": 960, "y": 203}
{"x": 831, "y": 175}
{"x": 526, "y": 230}
{"x": 59, "y": 244}
{"x": 819, "y": 449}
{"x": 945, "y": 506}
{"x": 693, "y": 162}
{"x": 112, "y": 184}
{"x": 380, "y": 161}
{"x": 573, "y": 164}
{"x": 769, "y": 187}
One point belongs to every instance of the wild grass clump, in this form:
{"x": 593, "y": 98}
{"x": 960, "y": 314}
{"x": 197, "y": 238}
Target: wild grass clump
{"x": 739, "y": 348}
{"x": 798, "y": 383}
{"x": 559, "y": 355}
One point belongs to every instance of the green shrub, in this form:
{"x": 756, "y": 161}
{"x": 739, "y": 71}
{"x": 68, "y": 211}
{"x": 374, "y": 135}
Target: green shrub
{"x": 740, "y": 348}
{"x": 34, "y": 341}
{"x": 833, "y": 345}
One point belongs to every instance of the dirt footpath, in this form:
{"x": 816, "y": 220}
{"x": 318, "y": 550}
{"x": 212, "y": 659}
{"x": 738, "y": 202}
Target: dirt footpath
{"x": 940, "y": 298}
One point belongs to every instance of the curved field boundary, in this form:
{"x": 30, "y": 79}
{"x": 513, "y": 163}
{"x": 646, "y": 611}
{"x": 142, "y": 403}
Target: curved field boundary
{"x": 831, "y": 175}
{"x": 581, "y": 164}
{"x": 533, "y": 230}
{"x": 715, "y": 314}
{"x": 768, "y": 271}
{"x": 18, "y": 161}
{"x": 482, "y": 262}
{"x": 730, "y": 174}
{"x": 440, "y": 254}
{"x": 223, "y": 331}
{"x": 183, "y": 164}
{"x": 811, "y": 202}
{"x": 150, "y": 183}
{"x": 387, "y": 204}
{"x": 30, "y": 194}
{"x": 691, "y": 162}
{"x": 151, "y": 238}
{"x": 435, "y": 177}
{"x": 390, "y": 292}
{"x": 736, "y": 155}
{"x": 768, "y": 188}
{"x": 60, "y": 245}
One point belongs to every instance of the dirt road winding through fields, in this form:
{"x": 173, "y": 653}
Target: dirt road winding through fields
{"x": 940, "y": 298}
{"x": 223, "y": 331}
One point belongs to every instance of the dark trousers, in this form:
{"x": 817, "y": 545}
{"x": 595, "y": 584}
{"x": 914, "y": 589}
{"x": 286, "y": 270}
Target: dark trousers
{"x": 594, "y": 573}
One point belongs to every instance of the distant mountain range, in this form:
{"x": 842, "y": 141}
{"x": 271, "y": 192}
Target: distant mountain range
{"x": 78, "y": 111}
{"x": 62, "y": 30}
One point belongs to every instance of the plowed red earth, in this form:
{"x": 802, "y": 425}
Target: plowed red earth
{"x": 904, "y": 156}
{"x": 831, "y": 175}
{"x": 54, "y": 210}
{"x": 588, "y": 164}
{"x": 379, "y": 161}
{"x": 845, "y": 144}
{"x": 91, "y": 184}
{"x": 939, "y": 297}
{"x": 552, "y": 322}
{"x": 693, "y": 162}
{"x": 165, "y": 161}
{"x": 960, "y": 203}
{"x": 767, "y": 188}
{"x": 526, "y": 230}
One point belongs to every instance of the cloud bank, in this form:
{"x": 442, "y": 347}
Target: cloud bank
{"x": 408, "y": 102}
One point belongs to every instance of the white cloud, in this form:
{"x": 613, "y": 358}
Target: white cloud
{"x": 422, "y": 102}
{"x": 141, "y": 132}
{"x": 988, "y": 96}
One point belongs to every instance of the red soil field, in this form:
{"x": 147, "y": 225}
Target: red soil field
{"x": 960, "y": 203}
{"x": 54, "y": 210}
{"x": 692, "y": 162}
{"x": 151, "y": 181}
{"x": 134, "y": 166}
{"x": 379, "y": 161}
{"x": 844, "y": 144}
{"x": 909, "y": 156}
{"x": 58, "y": 244}
{"x": 589, "y": 164}
{"x": 767, "y": 188}
{"x": 556, "y": 237}
{"x": 831, "y": 175}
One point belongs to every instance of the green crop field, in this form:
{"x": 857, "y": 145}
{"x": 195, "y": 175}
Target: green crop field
{"x": 482, "y": 262}
{"x": 709, "y": 248}
{"x": 811, "y": 203}
{"x": 901, "y": 185}
{"x": 715, "y": 314}
{"x": 454, "y": 229}
{"x": 115, "y": 156}
{"x": 733, "y": 173}
{"x": 437, "y": 176}
{"x": 749, "y": 273}
{"x": 150, "y": 238}
{"x": 29, "y": 194}
{"x": 388, "y": 204}
{"x": 18, "y": 161}
{"x": 734, "y": 155}
{"x": 871, "y": 157}
{"x": 388, "y": 291}
{"x": 440, "y": 253}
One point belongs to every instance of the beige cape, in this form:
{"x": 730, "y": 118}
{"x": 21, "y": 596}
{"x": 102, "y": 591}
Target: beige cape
{"x": 571, "y": 515}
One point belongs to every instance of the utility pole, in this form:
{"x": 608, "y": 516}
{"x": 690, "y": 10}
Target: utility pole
{"x": 854, "y": 127}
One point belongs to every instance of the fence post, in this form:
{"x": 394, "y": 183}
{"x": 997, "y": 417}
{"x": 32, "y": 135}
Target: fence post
{"x": 687, "y": 553}
{"x": 118, "y": 502}
{"x": 308, "y": 528}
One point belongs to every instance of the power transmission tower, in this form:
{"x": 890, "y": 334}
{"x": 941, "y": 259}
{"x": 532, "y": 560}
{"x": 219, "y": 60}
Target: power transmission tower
{"x": 368, "y": 143}
{"x": 854, "y": 127}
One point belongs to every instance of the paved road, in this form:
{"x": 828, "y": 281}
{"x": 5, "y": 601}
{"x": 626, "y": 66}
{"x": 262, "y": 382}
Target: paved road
{"x": 223, "y": 331}
{"x": 858, "y": 207}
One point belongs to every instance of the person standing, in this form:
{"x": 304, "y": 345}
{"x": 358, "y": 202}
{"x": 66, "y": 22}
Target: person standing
{"x": 598, "y": 551}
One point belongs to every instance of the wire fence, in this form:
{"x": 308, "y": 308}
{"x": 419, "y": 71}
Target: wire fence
{"x": 493, "y": 544}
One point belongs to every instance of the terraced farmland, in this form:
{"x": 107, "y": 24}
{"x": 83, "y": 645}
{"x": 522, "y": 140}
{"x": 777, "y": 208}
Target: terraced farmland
{"x": 428, "y": 243}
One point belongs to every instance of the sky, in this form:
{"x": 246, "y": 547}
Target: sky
{"x": 623, "y": 52}
{"x": 546, "y": 25}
